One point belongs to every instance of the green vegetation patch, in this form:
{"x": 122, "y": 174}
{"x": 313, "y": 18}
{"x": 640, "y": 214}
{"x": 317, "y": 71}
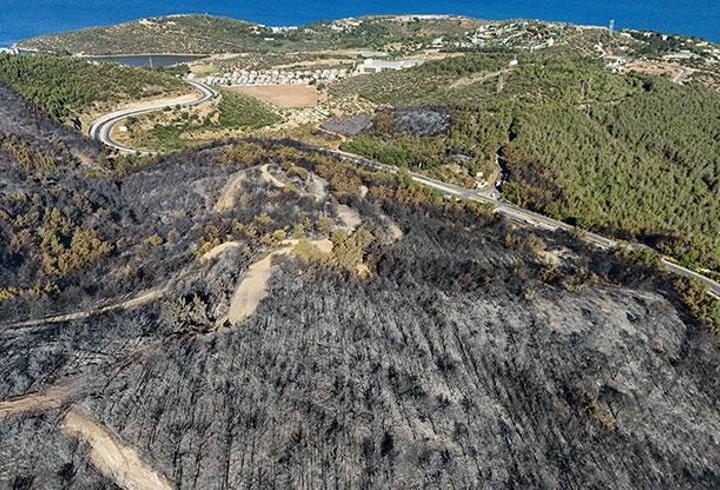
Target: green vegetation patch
{"x": 234, "y": 111}
{"x": 642, "y": 168}
{"x": 66, "y": 87}
{"x": 625, "y": 155}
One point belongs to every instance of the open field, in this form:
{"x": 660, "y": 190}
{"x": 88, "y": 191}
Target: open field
{"x": 283, "y": 96}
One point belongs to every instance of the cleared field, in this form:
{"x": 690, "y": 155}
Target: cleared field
{"x": 285, "y": 96}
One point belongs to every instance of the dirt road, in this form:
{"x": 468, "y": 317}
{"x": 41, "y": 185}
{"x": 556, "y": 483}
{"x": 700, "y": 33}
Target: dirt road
{"x": 268, "y": 177}
{"x": 115, "y": 460}
{"x": 139, "y": 300}
{"x": 54, "y": 397}
{"x": 230, "y": 191}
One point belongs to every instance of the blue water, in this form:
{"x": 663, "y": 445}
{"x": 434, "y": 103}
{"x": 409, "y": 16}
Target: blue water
{"x": 141, "y": 60}
{"x": 20, "y": 19}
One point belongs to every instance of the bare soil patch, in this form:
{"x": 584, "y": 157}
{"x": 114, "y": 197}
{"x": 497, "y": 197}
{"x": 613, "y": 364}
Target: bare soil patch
{"x": 318, "y": 187}
{"x": 252, "y": 288}
{"x": 349, "y": 216}
{"x": 284, "y": 96}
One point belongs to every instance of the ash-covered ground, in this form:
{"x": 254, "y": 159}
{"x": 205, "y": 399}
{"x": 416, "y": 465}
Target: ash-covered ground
{"x": 435, "y": 346}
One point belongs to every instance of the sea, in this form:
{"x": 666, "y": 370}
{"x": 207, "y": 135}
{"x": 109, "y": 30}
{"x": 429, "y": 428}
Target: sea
{"x": 20, "y": 19}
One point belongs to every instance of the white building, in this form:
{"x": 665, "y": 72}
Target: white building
{"x": 379, "y": 66}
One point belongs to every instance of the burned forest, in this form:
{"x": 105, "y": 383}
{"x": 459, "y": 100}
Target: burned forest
{"x": 248, "y": 314}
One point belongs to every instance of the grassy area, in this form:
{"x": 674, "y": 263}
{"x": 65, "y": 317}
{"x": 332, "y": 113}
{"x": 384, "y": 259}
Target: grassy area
{"x": 238, "y": 110}
{"x": 177, "y": 129}
{"x": 65, "y": 87}
{"x": 627, "y": 155}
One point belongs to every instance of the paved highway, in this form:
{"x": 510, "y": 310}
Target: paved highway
{"x": 102, "y": 128}
{"x": 489, "y": 195}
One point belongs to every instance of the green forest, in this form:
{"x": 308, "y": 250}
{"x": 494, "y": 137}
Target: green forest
{"x": 630, "y": 156}
{"x": 66, "y": 87}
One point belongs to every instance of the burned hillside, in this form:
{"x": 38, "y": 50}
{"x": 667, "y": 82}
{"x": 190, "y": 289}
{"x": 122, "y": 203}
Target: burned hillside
{"x": 401, "y": 340}
{"x": 31, "y": 144}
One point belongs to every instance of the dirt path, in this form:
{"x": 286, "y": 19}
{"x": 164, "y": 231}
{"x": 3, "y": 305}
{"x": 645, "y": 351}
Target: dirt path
{"x": 682, "y": 75}
{"x": 268, "y": 177}
{"x": 230, "y": 191}
{"x": 53, "y": 397}
{"x": 117, "y": 461}
{"x": 478, "y": 78}
{"x": 143, "y": 298}
{"x": 252, "y": 288}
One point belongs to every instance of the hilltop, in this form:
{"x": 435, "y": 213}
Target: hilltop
{"x": 205, "y": 34}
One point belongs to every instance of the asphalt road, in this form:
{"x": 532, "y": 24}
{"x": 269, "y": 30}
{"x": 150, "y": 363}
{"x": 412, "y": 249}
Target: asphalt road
{"x": 489, "y": 195}
{"x": 102, "y": 128}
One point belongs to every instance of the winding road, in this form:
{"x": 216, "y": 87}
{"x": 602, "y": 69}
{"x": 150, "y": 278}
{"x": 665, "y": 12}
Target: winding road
{"x": 101, "y": 130}
{"x": 488, "y": 195}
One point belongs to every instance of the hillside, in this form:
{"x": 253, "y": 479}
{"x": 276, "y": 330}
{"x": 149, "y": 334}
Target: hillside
{"x": 617, "y": 153}
{"x": 204, "y": 34}
{"x": 177, "y": 129}
{"x": 583, "y": 122}
{"x": 247, "y": 310}
{"x": 71, "y": 89}
{"x": 403, "y": 340}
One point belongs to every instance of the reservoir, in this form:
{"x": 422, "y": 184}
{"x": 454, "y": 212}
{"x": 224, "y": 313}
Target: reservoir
{"x": 156, "y": 60}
